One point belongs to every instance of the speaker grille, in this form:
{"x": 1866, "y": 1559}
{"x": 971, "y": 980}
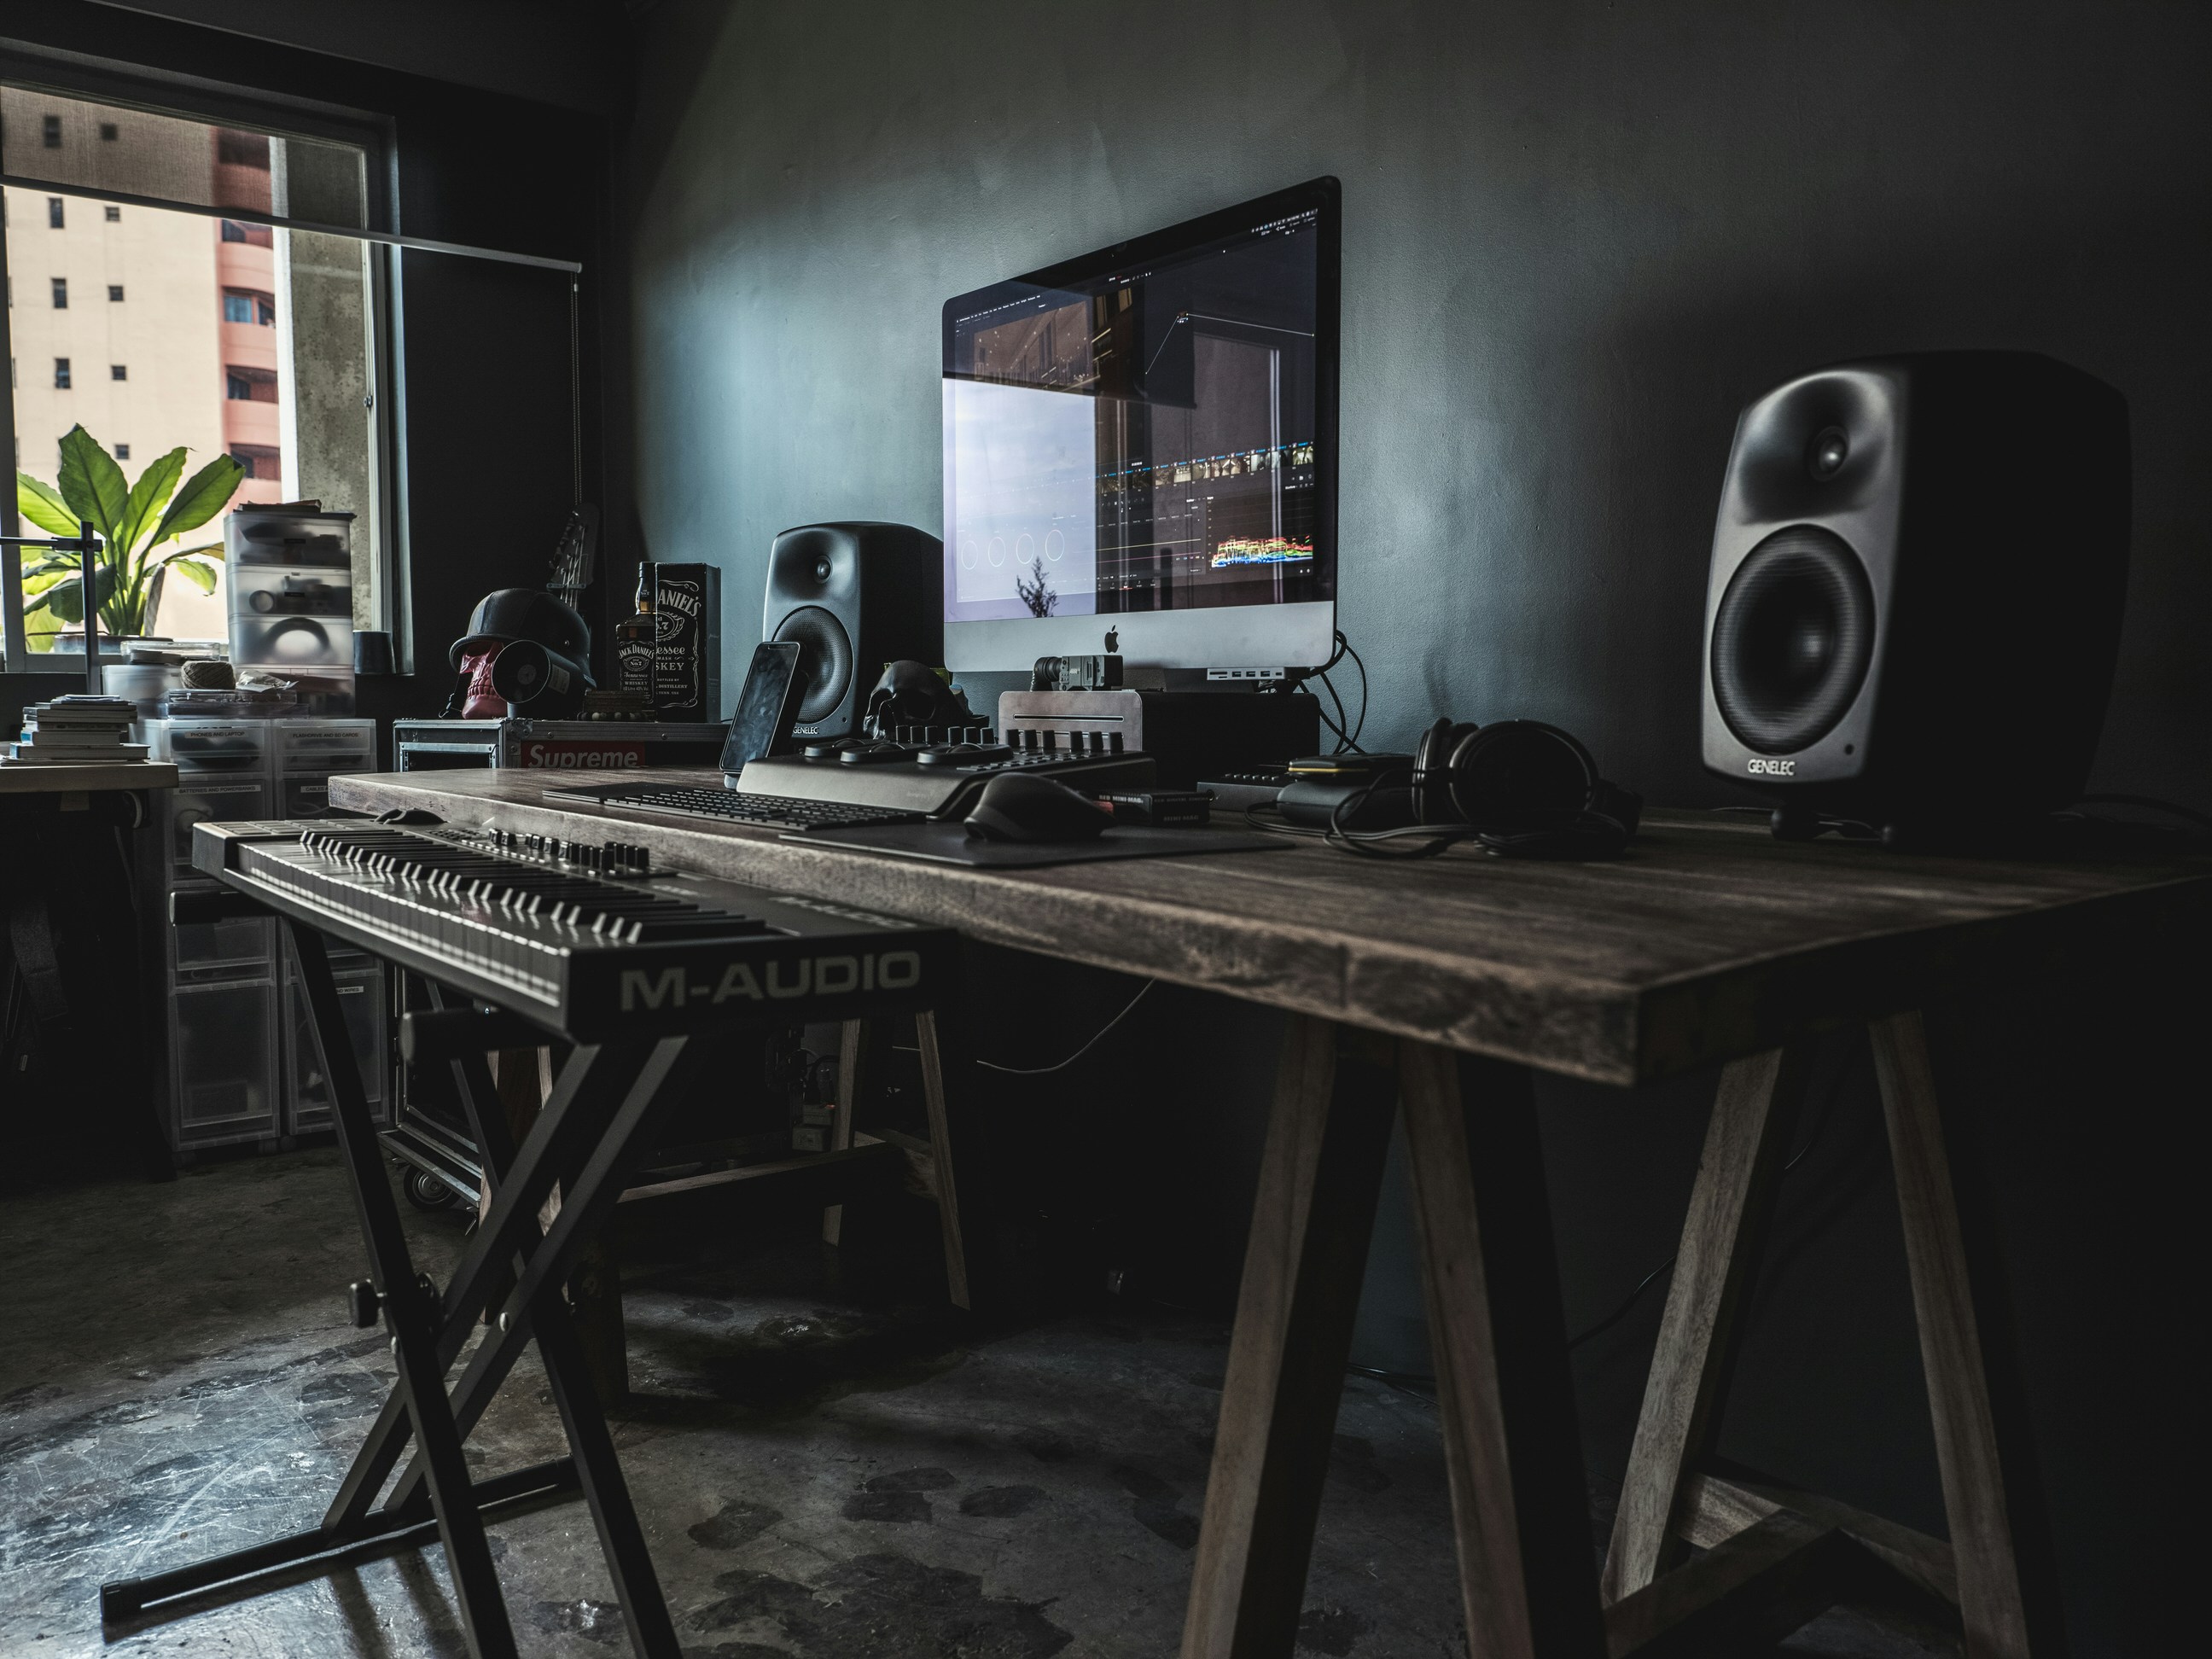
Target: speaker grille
{"x": 1792, "y": 639}
{"x": 825, "y": 660}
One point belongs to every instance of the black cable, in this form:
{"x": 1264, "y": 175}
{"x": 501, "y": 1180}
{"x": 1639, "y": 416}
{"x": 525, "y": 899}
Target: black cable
{"x": 2150, "y": 803}
{"x": 1061, "y": 1066}
{"x": 1627, "y": 1304}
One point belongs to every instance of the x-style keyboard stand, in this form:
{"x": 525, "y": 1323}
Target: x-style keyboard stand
{"x": 605, "y": 1100}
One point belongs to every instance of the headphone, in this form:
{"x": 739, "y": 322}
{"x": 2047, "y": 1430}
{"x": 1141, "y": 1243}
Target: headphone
{"x": 1521, "y": 789}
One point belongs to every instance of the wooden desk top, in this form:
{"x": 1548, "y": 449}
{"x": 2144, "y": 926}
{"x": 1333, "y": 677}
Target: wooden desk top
{"x": 1709, "y": 941}
{"x": 94, "y": 774}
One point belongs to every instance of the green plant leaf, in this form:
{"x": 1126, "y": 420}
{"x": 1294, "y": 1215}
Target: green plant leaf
{"x": 51, "y": 564}
{"x": 200, "y": 575}
{"x": 91, "y": 482}
{"x": 65, "y": 600}
{"x": 42, "y": 504}
{"x": 201, "y": 496}
{"x": 147, "y": 497}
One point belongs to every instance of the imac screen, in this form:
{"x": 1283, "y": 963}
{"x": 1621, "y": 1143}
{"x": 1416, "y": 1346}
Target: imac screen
{"x": 1148, "y": 430}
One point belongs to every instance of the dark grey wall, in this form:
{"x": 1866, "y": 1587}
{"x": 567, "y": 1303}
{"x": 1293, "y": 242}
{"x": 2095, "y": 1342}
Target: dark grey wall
{"x": 1578, "y": 238}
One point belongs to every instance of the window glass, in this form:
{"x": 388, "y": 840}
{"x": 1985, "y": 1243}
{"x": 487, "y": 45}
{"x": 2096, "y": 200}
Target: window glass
{"x": 254, "y": 346}
{"x": 107, "y": 149}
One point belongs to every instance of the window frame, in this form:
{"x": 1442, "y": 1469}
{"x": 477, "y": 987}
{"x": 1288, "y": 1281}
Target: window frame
{"x": 282, "y": 116}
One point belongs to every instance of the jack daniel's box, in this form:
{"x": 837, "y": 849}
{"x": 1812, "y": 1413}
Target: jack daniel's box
{"x": 687, "y": 666}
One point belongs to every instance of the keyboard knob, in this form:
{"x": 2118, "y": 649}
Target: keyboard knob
{"x": 1051, "y": 739}
{"x": 1114, "y": 742}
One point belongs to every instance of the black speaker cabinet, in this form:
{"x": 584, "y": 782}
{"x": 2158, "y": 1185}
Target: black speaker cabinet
{"x": 1916, "y": 590}
{"x": 855, "y": 597}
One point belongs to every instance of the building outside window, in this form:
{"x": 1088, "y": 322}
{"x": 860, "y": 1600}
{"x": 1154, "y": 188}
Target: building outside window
{"x": 56, "y": 218}
{"x": 258, "y": 460}
{"x": 240, "y": 338}
{"x": 240, "y": 306}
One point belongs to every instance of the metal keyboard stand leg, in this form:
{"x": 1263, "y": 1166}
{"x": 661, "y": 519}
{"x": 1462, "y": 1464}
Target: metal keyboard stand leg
{"x": 622, "y": 1540}
{"x": 603, "y": 1097}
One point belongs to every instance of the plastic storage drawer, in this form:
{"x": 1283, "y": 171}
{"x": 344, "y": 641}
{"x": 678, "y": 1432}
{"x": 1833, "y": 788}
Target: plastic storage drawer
{"x": 223, "y": 1065}
{"x": 205, "y": 746}
{"x": 337, "y": 743}
{"x": 221, "y": 797}
{"x": 205, "y": 950}
{"x": 307, "y": 1096}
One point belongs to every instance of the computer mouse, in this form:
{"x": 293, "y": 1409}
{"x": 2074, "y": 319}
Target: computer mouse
{"x": 1013, "y": 808}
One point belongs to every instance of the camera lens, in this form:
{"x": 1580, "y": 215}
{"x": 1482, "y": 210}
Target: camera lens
{"x": 1826, "y": 454}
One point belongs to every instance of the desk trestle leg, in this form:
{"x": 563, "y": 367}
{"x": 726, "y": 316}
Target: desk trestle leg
{"x": 929, "y": 1164}
{"x": 1996, "y": 1574}
{"x": 1498, "y": 1341}
{"x": 604, "y": 1100}
{"x": 1311, "y": 1219}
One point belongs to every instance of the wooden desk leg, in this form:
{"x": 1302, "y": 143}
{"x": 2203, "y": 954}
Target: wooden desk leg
{"x": 1311, "y": 1219}
{"x": 1747, "y": 1143}
{"x": 1499, "y": 1343}
{"x": 1991, "y": 1493}
{"x": 942, "y": 1055}
{"x": 852, "y": 1066}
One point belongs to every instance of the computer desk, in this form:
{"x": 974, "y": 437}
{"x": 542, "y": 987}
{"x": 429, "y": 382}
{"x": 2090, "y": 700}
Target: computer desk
{"x": 1441, "y": 986}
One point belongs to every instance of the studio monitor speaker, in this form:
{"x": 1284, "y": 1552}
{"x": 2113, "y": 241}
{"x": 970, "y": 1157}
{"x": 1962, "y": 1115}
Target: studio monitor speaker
{"x": 854, "y": 597}
{"x": 1917, "y": 577}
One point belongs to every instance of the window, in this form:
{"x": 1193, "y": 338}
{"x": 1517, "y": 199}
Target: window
{"x": 293, "y": 400}
{"x": 256, "y": 386}
{"x": 260, "y": 460}
{"x": 50, "y": 129}
{"x": 54, "y": 213}
{"x": 246, "y": 305}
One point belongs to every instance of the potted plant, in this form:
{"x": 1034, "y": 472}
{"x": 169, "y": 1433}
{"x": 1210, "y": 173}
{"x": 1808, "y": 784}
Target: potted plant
{"x": 134, "y": 520}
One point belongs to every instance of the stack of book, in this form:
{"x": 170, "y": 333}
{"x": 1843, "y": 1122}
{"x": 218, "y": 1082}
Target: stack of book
{"x": 76, "y": 731}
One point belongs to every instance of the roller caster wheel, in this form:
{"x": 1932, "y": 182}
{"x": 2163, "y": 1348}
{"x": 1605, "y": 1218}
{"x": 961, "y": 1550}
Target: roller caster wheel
{"x": 426, "y": 1192}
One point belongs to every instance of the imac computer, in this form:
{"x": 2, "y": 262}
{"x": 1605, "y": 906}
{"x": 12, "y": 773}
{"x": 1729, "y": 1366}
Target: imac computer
{"x": 1141, "y": 443}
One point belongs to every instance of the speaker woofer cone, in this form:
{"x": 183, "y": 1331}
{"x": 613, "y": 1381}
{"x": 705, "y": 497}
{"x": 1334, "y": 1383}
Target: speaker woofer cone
{"x": 825, "y": 660}
{"x": 1792, "y": 639}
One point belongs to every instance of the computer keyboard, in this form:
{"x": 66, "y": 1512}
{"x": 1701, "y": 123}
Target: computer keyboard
{"x": 763, "y": 812}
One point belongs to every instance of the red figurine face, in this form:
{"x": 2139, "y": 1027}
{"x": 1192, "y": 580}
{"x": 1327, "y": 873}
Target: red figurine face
{"x": 483, "y": 703}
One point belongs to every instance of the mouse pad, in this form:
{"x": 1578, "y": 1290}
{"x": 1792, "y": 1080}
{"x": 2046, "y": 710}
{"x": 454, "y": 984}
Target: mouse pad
{"x": 948, "y": 842}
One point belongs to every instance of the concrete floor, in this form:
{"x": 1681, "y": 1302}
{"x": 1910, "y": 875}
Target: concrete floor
{"x": 822, "y": 1472}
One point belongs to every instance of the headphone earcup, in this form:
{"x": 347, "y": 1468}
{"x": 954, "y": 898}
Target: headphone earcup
{"x": 1520, "y": 775}
{"x": 1432, "y": 792}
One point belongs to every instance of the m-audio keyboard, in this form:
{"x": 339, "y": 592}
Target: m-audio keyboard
{"x": 587, "y": 941}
